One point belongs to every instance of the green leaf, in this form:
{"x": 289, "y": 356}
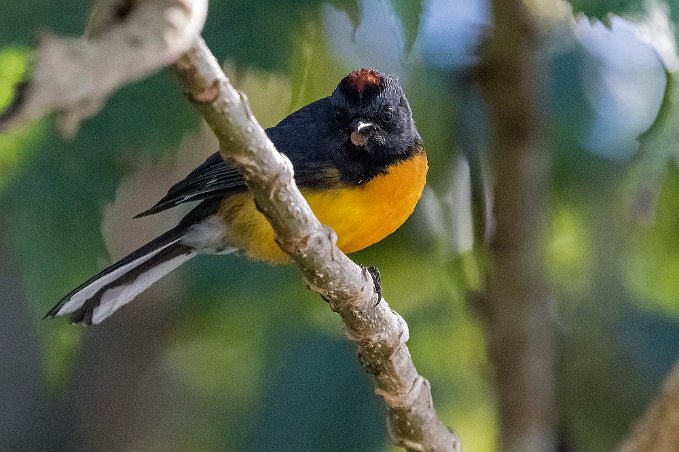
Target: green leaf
{"x": 603, "y": 8}
{"x": 351, "y": 7}
{"x": 409, "y": 13}
{"x": 13, "y": 66}
{"x": 652, "y": 255}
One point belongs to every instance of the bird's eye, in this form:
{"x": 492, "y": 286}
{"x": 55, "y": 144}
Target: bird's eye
{"x": 341, "y": 116}
{"x": 387, "y": 114}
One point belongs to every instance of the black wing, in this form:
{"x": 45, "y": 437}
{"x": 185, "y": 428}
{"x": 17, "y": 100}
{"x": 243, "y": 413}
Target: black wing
{"x": 214, "y": 178}
{"x": 302, "y": 136}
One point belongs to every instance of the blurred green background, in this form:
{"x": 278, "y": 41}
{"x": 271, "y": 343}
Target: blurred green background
{"x": 232, "y": 355}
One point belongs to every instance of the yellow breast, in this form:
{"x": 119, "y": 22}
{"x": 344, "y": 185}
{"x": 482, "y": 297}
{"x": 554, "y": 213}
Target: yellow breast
{"x": 361, "y": 216}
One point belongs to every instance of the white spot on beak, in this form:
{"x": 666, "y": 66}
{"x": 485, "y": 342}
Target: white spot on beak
{"x": 363, "y": 126}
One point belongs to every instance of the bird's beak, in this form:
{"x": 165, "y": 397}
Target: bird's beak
{"x": 361, "y": 131}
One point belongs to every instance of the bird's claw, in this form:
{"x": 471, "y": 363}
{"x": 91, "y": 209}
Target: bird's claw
{"x": 375, "y": 274}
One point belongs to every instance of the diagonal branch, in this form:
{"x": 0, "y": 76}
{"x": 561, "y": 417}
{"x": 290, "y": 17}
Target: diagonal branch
{"x": 379, "y": 333}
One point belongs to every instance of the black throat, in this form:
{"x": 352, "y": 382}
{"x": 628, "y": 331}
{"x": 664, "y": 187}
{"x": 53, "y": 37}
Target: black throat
{"x": 357, "y": 166}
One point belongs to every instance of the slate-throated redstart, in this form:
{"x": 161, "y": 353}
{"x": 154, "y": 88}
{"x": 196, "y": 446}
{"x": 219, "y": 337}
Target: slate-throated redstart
{"x": 358, "y": 160}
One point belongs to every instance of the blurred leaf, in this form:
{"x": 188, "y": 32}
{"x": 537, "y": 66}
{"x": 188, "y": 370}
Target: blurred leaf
{"x": 268, "y": 93}
{"x": 302, "y": 64}
{"x": 656, "y": 148}
{"x": 409, "y": 13}
{"x": 268, "y": 45}
{"x": 659, "y": 144}
{"x": 351, "y": 7}
{"x": 13, "y": 66}
{"x": 569, "y": 257}
{"x": 222, "y": 360}
{"x": 623, "y": 81}
{"x": 601, "y": 9}
{"x": 652, "y": 263}
{"x": 14, "y": 148}
{"x": 60, "y": 352}
{"x": 314, "y": 72}
{"x": 655, "y": 28}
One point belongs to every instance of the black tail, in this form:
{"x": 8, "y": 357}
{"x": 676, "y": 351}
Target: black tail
{"x": 117, "y": 285}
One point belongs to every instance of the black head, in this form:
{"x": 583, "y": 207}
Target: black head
{"x": 372, "y": 115}
{"x": 355, "y": 134}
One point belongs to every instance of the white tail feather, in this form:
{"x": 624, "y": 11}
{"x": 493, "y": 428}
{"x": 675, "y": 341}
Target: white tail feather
{"x": 119, "y": 284}
{"x": 80, "y": 297}
{"x": 115, "y": 297}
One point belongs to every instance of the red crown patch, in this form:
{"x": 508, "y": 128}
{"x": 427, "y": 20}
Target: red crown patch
{"x": 362, "y": 83}
{"x": 364, "y": 78}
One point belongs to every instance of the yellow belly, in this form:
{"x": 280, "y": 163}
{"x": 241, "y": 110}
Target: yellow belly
{"x": 361, "y": 216}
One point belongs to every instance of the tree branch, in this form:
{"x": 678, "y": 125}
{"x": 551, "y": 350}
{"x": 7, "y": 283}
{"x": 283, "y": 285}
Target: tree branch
{"x": 658, "y": 429}
{"x": 520, "y": 333}
{"x": 379, "y": 333}
{"x": 126, "y": 41}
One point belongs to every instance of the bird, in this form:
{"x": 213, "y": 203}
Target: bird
{"x": 357, "y": 157}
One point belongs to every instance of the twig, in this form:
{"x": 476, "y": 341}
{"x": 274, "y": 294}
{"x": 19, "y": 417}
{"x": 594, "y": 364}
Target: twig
{"x": 379, "y": 333}
{"x": 658, "y": 429}
{"x": 127, "y": 40}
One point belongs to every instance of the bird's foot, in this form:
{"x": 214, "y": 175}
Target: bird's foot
{"x": 375, "y": 274}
